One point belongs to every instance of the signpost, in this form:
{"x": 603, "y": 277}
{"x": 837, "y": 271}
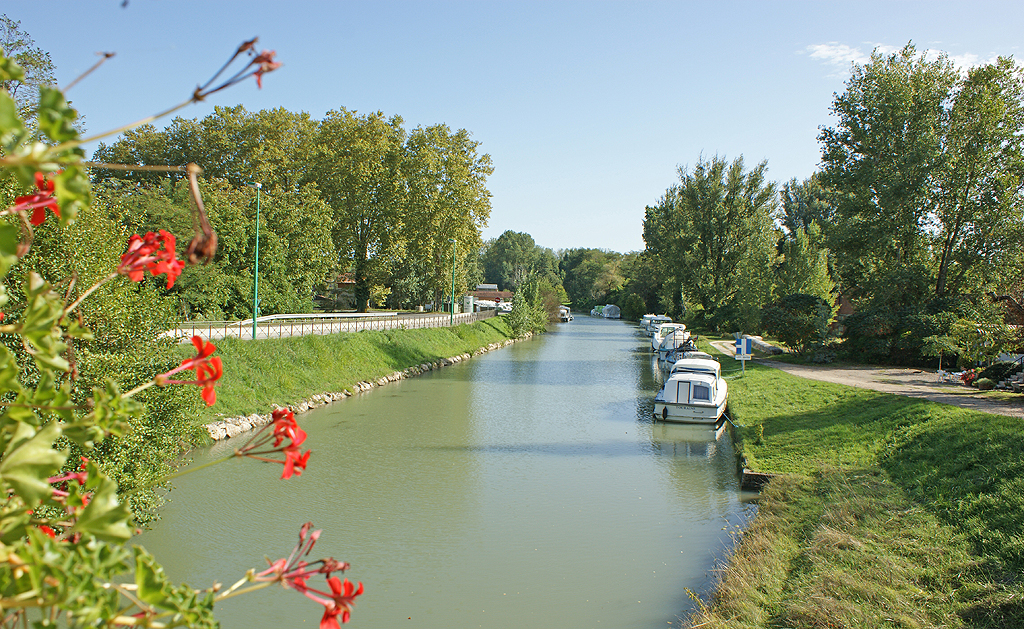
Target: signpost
{"x": 744, "y": 348}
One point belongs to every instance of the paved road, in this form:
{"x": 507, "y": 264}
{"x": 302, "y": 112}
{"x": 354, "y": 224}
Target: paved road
{"x": 900, "y": 381}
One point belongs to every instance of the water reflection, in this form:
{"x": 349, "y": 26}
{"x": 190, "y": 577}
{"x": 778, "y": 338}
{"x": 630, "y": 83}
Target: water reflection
{"x": 525, "y": 486}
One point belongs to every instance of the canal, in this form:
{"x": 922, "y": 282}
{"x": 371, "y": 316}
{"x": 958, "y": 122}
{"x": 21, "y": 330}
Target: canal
{"x": 526, "y": 487}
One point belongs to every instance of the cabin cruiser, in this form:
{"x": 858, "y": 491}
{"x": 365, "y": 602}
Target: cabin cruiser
{"x": 662, "y": 330}
{"x": 650, "y": 321}
{"x": 694, "y": 393}
{"x": 669, "y": 337}
{"x": 686, "y": 350}
{"x": 563, "y": 314}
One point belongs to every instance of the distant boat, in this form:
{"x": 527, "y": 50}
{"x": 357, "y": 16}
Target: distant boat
{"x": 611, "y": 311}
{"x": 695, "y": 393}
{"x": 563, "y": 314}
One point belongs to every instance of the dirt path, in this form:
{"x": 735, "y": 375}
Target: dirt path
{"x": 900, "y": 381}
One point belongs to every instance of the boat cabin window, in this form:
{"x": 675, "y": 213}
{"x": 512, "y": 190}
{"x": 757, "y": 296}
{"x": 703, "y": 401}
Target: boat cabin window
{"x": 701, "y": 392}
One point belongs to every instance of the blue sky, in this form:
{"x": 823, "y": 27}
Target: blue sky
{"x": 586, "y": 108}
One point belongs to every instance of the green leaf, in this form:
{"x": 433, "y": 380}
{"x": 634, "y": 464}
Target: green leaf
{"x": 30, "y": 460}
{"x": 9, "y": 241}
{"x": 11, "y": 126}
{"x": 9, "y": 69}
{"x": 154, "y": 588}
{"x": 56, "y": 118}
{"x": 8, "y": 371}
{"x": 195, "y": 608}
{"x": 104, "y": 517}
{"x": 73, "y": 191}
{"x": 43, "y": 309}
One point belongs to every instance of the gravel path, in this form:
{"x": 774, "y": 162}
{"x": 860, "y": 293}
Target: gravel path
{"x": 900, "y": 381}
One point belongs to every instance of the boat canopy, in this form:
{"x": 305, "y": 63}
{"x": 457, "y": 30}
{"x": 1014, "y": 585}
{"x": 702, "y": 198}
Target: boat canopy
{"x": 697, "y": 365}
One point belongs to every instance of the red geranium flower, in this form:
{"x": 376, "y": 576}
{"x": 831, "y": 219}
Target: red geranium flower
{"x": 208, "y": 370}
{"x": 153, "y": 253}
{"x": 266, "y": 63}
{"x": 343, "y": 595}
{"x": 285, "y": 427}
{"x": 294, "y": 462}
{"x": 39, "y": 201}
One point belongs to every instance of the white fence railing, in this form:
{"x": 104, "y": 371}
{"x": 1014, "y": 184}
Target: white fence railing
{"x": 281, "y": 326}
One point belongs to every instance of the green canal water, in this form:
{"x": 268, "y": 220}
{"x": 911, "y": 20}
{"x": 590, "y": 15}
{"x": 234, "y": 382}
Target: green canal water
{"x": 524, "y": 488}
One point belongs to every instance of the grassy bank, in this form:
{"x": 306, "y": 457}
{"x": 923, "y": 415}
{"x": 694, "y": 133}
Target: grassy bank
{"x": 289, "y": 370}
{"x": 891, "y": 512}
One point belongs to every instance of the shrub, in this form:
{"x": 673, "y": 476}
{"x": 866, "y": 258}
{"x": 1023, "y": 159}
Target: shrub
{"x": 800, "y": 321}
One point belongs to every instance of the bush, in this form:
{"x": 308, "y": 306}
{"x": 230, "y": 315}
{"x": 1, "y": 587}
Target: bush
{"x": 998, "y": 371}
{"x": 985, "y": 384}
{"x": 800, "y": 321}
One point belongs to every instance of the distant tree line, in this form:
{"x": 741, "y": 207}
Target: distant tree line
{"x": 352, "y": 193}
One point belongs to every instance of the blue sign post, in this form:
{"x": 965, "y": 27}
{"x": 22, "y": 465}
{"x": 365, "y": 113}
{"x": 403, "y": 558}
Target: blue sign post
{"x": 744, "y": 349}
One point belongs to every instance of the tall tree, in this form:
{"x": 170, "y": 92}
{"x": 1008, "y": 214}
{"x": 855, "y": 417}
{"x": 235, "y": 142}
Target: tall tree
{"x": 511, "y": 259}
{"x": 803, "y": 265}
{"x": 881, "y": 157}
{"x": 356, "y": 162}
{"x": 977, "y": 207}
{"x": 805, "y": 202}
{"x": 447, "y": 200}
{"x": 714, "y": 229}
{"x": 269, "y": 146}
{"x": 591, "y": 276}
{"x": 19, "y": 46}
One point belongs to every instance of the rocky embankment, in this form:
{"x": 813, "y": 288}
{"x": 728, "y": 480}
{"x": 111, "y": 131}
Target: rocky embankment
{"x": 234, "y": 426}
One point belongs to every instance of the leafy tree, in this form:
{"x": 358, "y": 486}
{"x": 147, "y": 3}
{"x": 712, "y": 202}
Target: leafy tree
{"x": 879, "y": 160}
{"x": 590, "y": 276}
{"x": 356, "y": 162}
{"x": 714, "y": 232}
{"x": 978, "y": 220}
{"x": 511, "y": 259}
{"x": 803, "y": 265}
{"x": 38, "y": 68}
{"x": 296, "y": 250}
{"x": 232, "y": 143}
{"x": 804, "y": 203}
{"x": 447, "y": 199}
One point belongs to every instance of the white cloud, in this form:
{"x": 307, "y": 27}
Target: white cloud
{"x": 839, "y": 56}
{"x": 836, "y": 54}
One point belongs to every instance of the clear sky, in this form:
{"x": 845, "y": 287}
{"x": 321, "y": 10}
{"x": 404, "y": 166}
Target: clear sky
{"x": 586, "y": 108}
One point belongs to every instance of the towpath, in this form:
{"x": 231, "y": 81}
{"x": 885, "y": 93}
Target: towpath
{"x": 900, "y": 381}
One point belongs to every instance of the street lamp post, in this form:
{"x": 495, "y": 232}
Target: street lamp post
{"x": 256, "y": 270}
{"x": 451, "y": 320}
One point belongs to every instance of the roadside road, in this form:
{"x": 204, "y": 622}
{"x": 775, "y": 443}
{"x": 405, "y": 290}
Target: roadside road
{"x": 899, "y": 381}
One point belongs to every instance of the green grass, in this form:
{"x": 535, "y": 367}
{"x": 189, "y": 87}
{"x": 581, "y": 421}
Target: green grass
{"x": 286, "y": 371}
{"x": 889, "y": 511}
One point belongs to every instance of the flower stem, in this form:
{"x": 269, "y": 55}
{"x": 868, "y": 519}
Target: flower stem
{"x": 188, "y": 470}
{"x": 91, "y": 290}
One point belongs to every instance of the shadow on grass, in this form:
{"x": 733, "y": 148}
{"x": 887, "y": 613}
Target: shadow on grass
{"x": 968, "y": 468}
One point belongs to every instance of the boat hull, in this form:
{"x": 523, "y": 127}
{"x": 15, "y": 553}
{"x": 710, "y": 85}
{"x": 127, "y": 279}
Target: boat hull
{"x": 689, "y": 413}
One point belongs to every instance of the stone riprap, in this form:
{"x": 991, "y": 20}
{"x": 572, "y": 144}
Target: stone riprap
{"x": 234, "y": 426}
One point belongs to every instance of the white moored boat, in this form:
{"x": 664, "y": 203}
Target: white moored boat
{"x": 669, "y": 338}
{"x": 694, "y": 393}
{"x": 660, "y": 331}
{"x": 650, "y": 321}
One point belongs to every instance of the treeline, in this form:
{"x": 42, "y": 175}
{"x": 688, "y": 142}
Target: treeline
{"x": 354, "y": 194}
{"x": 915, "y": 222}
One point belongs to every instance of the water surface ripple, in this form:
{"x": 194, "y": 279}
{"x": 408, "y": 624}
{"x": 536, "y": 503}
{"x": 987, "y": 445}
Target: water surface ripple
{"x": 526, "y": 487}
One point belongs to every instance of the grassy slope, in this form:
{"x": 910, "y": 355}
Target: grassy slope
{"x": 289, "y": 370}
{"x": 892, "y": 512}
